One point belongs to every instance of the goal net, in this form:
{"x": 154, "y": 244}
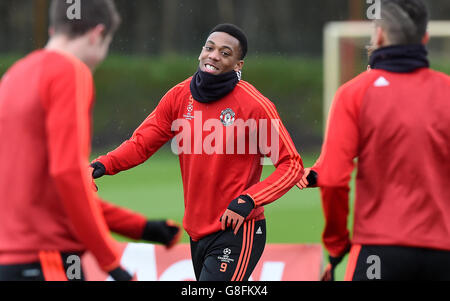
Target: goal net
{"x": 345, "y": 54}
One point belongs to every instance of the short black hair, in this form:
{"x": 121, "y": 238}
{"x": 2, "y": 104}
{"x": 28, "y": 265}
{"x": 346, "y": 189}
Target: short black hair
{"x": 236, "y": 32}
{"x": 92, "y": 13}
{"x": 405, "y": 21}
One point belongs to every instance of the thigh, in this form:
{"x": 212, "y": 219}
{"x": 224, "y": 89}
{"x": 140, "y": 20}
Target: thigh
{"x": 435, "y": 265}
{"x": 21, "y": 272}
{"x": 386, "y": 263}
{"x": 52, "y": 266}
{"x": 72, "y": 266}
{"x": 233, "y": 257}
{"x": 197, "y": 258}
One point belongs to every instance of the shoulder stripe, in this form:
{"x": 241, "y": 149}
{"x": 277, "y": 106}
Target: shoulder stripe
{"x": 268, "y": 107}
{"x": 286, "y": 177}
{"x": 294, "y": 167}
{"x": 152, "y": 114}
{"x": 183, "y": 83}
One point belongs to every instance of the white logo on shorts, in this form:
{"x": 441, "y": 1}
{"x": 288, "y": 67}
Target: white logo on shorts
{"x": 259, "y": 231}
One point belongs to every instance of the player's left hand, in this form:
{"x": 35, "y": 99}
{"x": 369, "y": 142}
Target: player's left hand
{"x": 309, "y": 179}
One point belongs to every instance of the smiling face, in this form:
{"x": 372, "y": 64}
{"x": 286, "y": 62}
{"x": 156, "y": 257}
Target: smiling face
{"x": 221, "y": 54}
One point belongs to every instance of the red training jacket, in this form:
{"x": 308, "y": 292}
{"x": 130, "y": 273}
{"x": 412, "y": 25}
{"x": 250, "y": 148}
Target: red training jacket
{"x": 219, "y": 160}
{"x": 398, "y": 127}
{"x": 47, "y": 202}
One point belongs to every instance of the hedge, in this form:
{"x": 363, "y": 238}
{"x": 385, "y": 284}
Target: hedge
{"x": 128, "y": 88}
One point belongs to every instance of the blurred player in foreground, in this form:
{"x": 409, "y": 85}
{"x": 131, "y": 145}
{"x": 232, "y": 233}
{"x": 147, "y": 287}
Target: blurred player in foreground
{"x": 48, "y": 210}
{"x": 222, "y": 127}
{"x": 395, "y": 119}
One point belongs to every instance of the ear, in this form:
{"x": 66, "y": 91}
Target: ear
{"x": 51, "y": 31}
{"x": 96, "y": 34}
{"x": 426, "y": 38}
{"x": 380, "y": 37}
{"x": 239, "y": 66}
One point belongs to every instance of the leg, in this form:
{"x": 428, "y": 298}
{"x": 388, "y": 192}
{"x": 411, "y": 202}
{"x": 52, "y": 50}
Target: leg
{"x": 233, "y": 257}
{"x": 53, "y": 266}
{"x": 388, "y": 263}
{"x": 435, "y": 265}
{"x": 21, "y": 272}
{"x": 197, "y": 258}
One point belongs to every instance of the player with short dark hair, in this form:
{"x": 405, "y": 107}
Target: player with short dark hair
{"x": 395, "y": 120}
{"x": 222, "y": 127}
{"x": 91, "y": 14}
{"x": 48, "y": 210}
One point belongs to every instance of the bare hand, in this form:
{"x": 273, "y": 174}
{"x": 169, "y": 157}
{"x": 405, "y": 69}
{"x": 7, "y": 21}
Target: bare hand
{"x": 231, "y": 218}
{"x": 328, "y": 274}
{"x": 303, "y": 183}
{"x": 94, "y": 186}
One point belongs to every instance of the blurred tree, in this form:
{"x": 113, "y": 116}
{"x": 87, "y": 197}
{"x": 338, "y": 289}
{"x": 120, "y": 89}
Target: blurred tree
{"x": 356, "y": 9}
{"x": 226, "y": 11}
{"x": 5, "y": 27}
{"x": 168, "y": 26}
{"x": 40, "y": 25}
{"x": 281, "y": 18}
{"x": 250, "y": 9}
{"x": 286, "y": 27}
{"x": 146, "y": 19}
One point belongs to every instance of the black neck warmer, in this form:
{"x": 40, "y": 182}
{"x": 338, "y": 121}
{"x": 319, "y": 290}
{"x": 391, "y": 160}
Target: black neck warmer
{"x": 206, "y": 87}
{"x": 401, "y": 58}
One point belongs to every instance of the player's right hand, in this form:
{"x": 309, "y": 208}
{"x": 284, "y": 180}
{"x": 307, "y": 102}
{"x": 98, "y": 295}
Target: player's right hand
{"x": 120, "y": 274}
{"x": 309, "y": 179}
{"x": 231, "y": 219}
{"x": 166, "y": 232}
{"x": 99, "y": 170}
{"x": 328, "y": 274}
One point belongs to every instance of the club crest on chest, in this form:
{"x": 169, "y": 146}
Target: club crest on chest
{"x": 227, "y": 117}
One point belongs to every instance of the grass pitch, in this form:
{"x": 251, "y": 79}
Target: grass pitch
{"x": 155, "y": 190}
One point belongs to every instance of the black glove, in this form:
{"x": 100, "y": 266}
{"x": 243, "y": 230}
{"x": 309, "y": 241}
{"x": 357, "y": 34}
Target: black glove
{"x": 165, "y": 232}
{"x": 99, "y": 170}
{"x": 120, "y": 274}
{"x": 312, "y": 178}
{"x": 236, "y": 213}
{"x": 243, "y": 205}
{"x": 328, "y": 274}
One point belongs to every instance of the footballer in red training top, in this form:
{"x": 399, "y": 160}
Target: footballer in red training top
{"x": 48, "y": 209}
{"x": 395, "y": 119}
{"x": 222, "y": 127}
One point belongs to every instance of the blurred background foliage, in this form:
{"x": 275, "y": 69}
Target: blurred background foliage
{"x": 159, "y": 41}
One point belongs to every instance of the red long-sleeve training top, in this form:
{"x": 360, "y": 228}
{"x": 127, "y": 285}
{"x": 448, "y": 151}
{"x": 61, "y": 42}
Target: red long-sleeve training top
{"x": 220, "y": 147}
{"x": 397, "y": 125}
{"x": 46, "y": 198}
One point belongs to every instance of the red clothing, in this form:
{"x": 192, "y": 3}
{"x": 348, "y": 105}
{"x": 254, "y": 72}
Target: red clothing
{"x": 47, "y": 202}
{"x": 398, "y": 126}
{"x": 212, "y": 178}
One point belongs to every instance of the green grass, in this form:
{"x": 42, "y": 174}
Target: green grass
{"x": 155, "y": 190}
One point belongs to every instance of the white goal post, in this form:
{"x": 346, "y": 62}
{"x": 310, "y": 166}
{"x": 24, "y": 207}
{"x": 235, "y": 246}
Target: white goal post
{"x": 335, "y": 31}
